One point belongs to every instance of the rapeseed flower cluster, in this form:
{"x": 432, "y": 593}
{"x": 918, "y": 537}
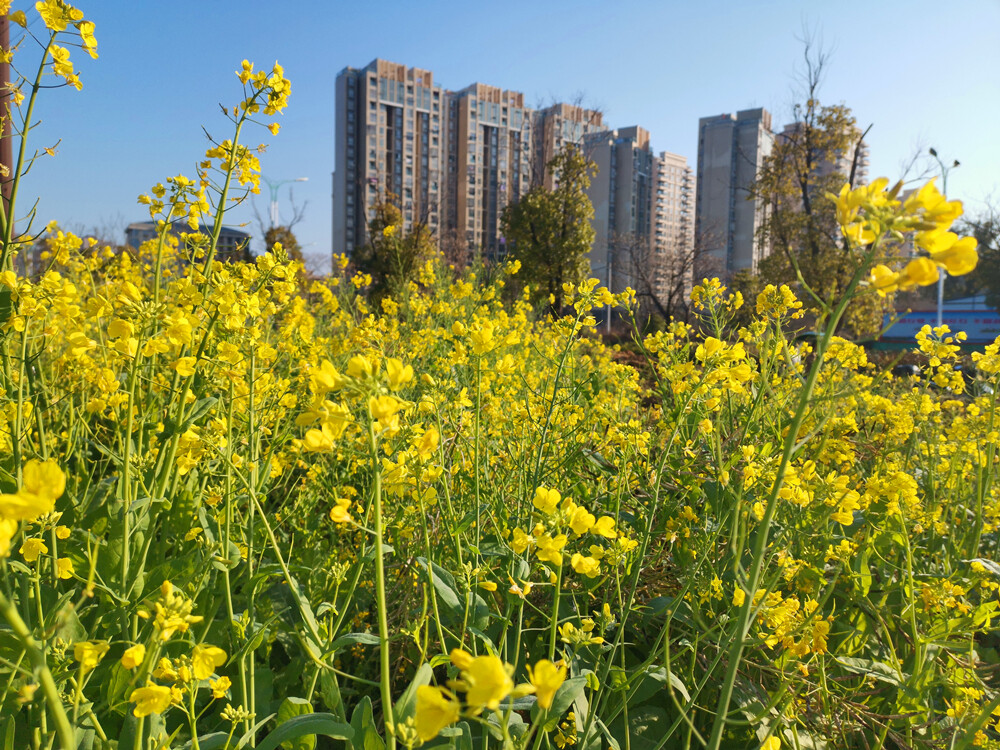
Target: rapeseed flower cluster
{"x": 226, "y": 481}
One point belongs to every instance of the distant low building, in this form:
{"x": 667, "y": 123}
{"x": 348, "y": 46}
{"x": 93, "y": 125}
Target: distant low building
{"x": 972, "y": 315}
{"x": 234, "y": 244}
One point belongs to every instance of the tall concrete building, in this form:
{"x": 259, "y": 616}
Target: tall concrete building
{"x": 673, "y": 223}
{"x": 454, "y": 160}
{"x": 558, "y": 126}
{"x": 489, "y": 162}
{"x": 731, "y": 150}
{"x": 621, "y": 192}
{"x": 389, "y": 139}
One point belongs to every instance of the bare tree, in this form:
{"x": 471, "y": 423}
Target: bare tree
{"x": 454, "y": 249}
{"x": 811, "y": 159}
{"x": 662, "y": 276}
{"x": 283, "y": 229}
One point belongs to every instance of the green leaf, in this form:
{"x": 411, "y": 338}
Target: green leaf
{"x": 363, "y": 722}
{"x": 612, "y": 742}
{"x": 864, "y": 572}
{"x": 406, "y": 705}
{"x": 201, "y": 407}
{"x": 306, "y": 725}
{"x": 445, "y": 587}
{"x": 876, "y": 669}
{"x": 647, "y": 726}
{"x": 387, "y": 549}
{"x": 291, "y": 708}
{"x": 567, "y": 693}
{"x": 368, "y": 639}
{"x": 6, "y": 305}
{"x": 213, "y": 741}
{"x": 293, "y": 609}
{"x": 598, "y": 461}
{"x": 661, "y": 675}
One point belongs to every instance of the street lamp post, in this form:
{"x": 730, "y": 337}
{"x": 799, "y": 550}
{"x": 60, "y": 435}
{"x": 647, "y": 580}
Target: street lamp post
{"x": 608, "y": 267}
{"x": 943, "y": 272}
{"x": 274, "y": 186}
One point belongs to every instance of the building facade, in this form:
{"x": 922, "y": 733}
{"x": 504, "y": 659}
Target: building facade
{"x": 673, "y": 224}
{"x": 621, "y": 192}
{"x": 731, "y": 150}
{"x": 558, "y": 126}
{"x": 454, "y": 160}
{"x": 233, "y": 244}
{"x": 489, "y": 162}
{"x": 389, "y": 142}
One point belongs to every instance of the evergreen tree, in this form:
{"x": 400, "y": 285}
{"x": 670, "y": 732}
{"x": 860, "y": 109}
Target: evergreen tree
{"x": 391, "y": 256}
{"x": 549, "y": 231}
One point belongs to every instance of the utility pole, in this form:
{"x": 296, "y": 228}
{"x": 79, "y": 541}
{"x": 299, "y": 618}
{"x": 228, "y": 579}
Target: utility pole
{"x": 274, "y": 186}
{"x": 610, "y": 267}
{"x": 943, "y": 272}
{"x": 6, "y": 144}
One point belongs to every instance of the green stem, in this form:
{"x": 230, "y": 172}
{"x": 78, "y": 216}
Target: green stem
{"x": 63, "y": 729}
{"x": 738, "y": 642}
{"x": 554, "y": 624}
{"x": 383, "y": 622}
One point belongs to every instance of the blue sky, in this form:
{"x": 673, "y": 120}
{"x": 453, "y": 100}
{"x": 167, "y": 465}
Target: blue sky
{"x": 922, "y": 73}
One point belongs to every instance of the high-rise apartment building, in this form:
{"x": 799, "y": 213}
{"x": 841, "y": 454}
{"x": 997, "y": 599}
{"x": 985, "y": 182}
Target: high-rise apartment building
{"x": 489, "y": 162}
{"x": 558, "y": 126}
{"x": 621, "y": 192}
{"x": 389, "y": 140}
{"x": 673, "y": 223}
{"x": 731, "y": 150}
{"x": 454, "y": 160}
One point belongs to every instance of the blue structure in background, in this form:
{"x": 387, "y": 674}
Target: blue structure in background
{"x": 970, "y": 314}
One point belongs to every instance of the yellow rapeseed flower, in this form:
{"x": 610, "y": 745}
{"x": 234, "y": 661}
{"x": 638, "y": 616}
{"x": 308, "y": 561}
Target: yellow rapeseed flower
{"x": 546, "y": 500}
{"x": 883, "y": 279}
{"x": 930, "y": 205}
{"x": 586, "y": 566}
{"x": 581, "y": 521}
{"x": 152, "y": 699}
{"x": 546, "y": 678}
{"x": 605, "y": 527}
{"x": 204, "y": 660}
{"x": 133, "y": 656}
{"x": 919, "y": 271}
{"x": 90, "y": 653}
{"x": 359, "y": 367}
{"x": 436, "y": 709}
{"x": 32, "y": 548}
{"x": 220, "y": 687}
{"x": 383, "y": 407}
{"x": 957, "y": 255}
{"x": 485, "y": 679}
{"x": 397, "y": 374}
{"x": 7, "y": 530}
{"x": 184, "y": 366}
{"x": 56, "y": 14}
{"x": 42, "y": 484}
